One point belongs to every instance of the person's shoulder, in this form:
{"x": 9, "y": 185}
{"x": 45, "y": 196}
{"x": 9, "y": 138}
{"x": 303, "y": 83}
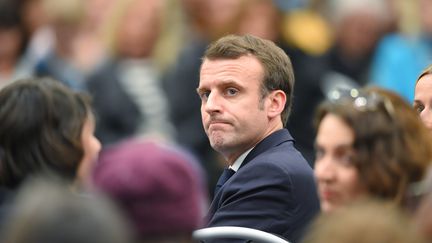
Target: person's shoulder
{"x": 284, "y": 152}
{"x": 280, "y": 160}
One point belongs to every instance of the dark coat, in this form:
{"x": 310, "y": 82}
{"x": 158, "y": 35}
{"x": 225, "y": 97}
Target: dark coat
{"x": 273, "y": 191}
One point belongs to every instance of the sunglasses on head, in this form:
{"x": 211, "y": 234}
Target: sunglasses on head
{"x": 361, "y": 101}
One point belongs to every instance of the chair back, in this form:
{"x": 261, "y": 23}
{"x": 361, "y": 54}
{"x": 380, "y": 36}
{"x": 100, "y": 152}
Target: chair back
{"x": 235, "y": 232}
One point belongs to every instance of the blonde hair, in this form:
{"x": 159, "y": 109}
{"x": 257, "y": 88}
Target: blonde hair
{"x": 426, "y": 71}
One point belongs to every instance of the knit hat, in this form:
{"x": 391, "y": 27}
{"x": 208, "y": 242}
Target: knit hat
{"x": 158, "y": 186}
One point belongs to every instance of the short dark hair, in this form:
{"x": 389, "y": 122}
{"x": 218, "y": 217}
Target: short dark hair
{"x": 278, "y": 71}
{"x": 41, "y": 121}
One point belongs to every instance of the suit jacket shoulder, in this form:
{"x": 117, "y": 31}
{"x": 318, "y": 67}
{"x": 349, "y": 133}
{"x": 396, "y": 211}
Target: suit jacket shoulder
{"x": 274, "y": 191}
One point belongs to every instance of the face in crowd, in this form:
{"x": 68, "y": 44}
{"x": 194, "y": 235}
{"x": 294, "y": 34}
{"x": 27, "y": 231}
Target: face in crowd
{"x": 367, "y": 145}
{"x": 246, "y": 90}
{"x": 234, "y": 113}
{"x": 423, "y": 97}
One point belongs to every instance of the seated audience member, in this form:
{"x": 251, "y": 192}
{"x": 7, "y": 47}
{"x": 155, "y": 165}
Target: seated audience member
{"x": 127, "y": 90}
{"x": 356, "y": 27}
{"x": 422, "y": 194}
{"x": 402, "y": 55}
{"x": 369, "y": 143}
{"x": 46, "y": 211}
{"x": 363, "y": 222}
{"x": 423, "y": 97}
{"x": 158, "y": 187}
{"x": 245, "y": 88}
{"x": 45, "y": 128}
{"x": 60, "y": 62}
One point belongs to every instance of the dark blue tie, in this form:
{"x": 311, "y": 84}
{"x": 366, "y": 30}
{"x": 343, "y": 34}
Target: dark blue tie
{"x": 226, "y": 174}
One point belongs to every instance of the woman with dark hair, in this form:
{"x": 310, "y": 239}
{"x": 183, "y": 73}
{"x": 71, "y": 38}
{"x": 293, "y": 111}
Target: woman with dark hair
{"x": 45, "y": 128}
{"x": 370, "y": 143}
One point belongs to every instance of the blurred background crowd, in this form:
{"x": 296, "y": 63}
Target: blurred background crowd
{"x": 140, "y": 59}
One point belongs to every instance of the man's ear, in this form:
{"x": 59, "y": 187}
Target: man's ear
{"x": 277, "y": 100}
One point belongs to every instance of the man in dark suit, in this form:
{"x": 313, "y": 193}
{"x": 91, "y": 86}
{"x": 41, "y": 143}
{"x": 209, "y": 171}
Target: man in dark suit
{"x": 246, "y": 86}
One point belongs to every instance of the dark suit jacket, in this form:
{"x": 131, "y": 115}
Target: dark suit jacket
{"x": 273, "y": 191}
{"x": 117, "y": 115}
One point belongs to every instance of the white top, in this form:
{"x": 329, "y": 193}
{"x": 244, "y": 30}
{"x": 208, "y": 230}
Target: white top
{"x": 238, "y": 162}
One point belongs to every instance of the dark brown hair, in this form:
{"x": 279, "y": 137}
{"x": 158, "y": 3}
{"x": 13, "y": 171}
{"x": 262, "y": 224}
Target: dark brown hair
{"x": 393, "y": 148}
{"x": 278, "y": 71}
{"x": 41, "y": 122}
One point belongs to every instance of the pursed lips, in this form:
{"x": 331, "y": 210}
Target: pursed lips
{"x": 217, "y": 122}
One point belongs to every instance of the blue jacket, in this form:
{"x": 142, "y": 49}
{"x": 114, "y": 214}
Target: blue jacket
{"x": 273, "y": 191}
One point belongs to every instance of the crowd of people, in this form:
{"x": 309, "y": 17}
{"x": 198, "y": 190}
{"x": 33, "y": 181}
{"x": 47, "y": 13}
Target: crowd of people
{"x": 144, "y": 120}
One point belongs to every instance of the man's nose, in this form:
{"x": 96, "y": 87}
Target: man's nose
{"x": 213, "y": 103}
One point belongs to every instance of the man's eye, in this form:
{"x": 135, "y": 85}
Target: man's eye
{"x": 231, "y": 91}
{"x": 204, "y": 95}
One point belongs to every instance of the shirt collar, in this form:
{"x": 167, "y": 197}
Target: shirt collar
{"x": 238, "y": 162}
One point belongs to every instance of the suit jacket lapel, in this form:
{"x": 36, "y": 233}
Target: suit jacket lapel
{"x": 272, "y": 140}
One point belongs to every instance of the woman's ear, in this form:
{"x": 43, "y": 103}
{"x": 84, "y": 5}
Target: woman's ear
{"x": 277, "y": 101}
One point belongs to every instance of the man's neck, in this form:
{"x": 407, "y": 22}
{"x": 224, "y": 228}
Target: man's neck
{"x": 238, "y": 162}
{"x": 273, "y": 127}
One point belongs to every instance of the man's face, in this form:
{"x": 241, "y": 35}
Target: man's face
{"x": 234, "y": 116}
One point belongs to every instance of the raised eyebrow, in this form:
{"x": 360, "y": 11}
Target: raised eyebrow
{"x": 230, "y": 83}
{"x": 200, "y": 90}
{"x": 222, "y": 83}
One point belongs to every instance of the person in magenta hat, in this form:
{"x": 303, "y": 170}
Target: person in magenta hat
{"x": 158, "y": 186}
